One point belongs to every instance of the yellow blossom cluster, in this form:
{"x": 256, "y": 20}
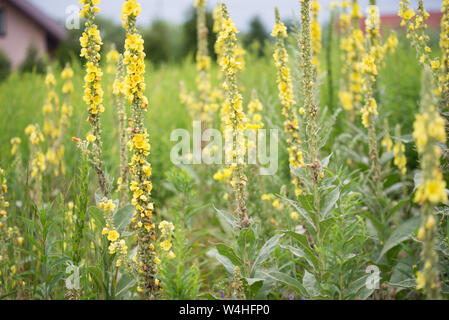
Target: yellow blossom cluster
{"x": 3, "y": 203}
{"x": 111, "y": 60}
{"x": 139, "y": 167}
{"x": 428, "y": 130}
{"x": 15, "y": 142}
{"x": 55, "y": 152}
{"x": 116, "y": 244}
{"x": 400, "y": 160}
{"x": 416, "y": 28}
{"x": 285, "y": 87}
{"x": 37, "y": 160}
{"x": 444, "y": 45}
{"x": 166, "y": 228}
{"x": 51, "y": 108}
{"x": 353, "y": 49}
{"x": 93, "y": 93}
{"x": 233, "y": 116}
{"x": 255, "y": 108}
{"x": 315, "y": 31}
{"x": 7, "y": 235}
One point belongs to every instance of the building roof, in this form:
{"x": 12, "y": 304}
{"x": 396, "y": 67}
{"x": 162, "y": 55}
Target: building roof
{"x": 55, "y": 30}
{"x": 394, "y": 21}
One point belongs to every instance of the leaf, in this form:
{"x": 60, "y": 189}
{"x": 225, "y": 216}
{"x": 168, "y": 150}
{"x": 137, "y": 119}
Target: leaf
{"x": 97, "y": 215}
{"x": 124, "y": 284}
{"x": 302, "y": 241}
{"x": 255, "y": 284}
{"x": 304, "y": 214}
{"x": 310, "y": 284}
{"x": 227, "y": 264}
{"x": 325, "y": 161}
{"x": 228, "y": 252}
{"x": 267, "y": 249}
{"x": 246, "y": 241}
{"x": 300, "y": 253}
{"x": 226, "y": 217}
{"x": 329, "y": 202}
{"x": 288, "y": 281}
{"x": 359, "y": 289}
{"x": 122, "y": 218}
{"x": 402, "y": 233}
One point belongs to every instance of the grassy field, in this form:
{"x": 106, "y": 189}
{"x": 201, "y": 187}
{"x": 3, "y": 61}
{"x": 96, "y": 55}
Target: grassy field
{"x": 351, "y": 233}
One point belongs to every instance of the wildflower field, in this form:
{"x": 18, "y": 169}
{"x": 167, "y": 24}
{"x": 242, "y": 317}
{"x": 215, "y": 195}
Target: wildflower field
{"x": 98, "y": 201}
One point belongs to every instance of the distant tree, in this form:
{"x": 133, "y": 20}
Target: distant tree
{"x": 32, "y": 62}
{"x": 256, "y": 36}
{"x": 190, "y": 34}
{"x": 70, "y": 48}
{"x": 158, "y": 42}
{"x": 5, "y": 66}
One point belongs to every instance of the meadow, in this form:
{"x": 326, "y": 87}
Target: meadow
{"x": 92, "y": 206}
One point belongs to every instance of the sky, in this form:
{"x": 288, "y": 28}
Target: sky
{"x": 241, "y": 11}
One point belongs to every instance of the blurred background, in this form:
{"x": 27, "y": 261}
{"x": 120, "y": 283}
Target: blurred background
{"x": 33, "y": 30}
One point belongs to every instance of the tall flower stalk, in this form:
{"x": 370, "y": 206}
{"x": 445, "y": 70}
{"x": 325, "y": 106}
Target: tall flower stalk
{"x": 315, "y": 29}
{"x": 286, "y": 95}
{"x": 140, "y": 168}
{"x": 38, "y": 162}
{"x": 120, "y": 98}
{"x": 234, "y": 118}
{"x": 310, "y": 104}
{"x": 93, "y": 93}
{"x": 352, "y": 46}
{"x": 428, "y": 132}
{"x": 370, "y": 71}
{"x": 203, "y": 63}
{"x": 415, "y": 24}
{"x": 65, "y": 115}
{"x": 372, "y": 62}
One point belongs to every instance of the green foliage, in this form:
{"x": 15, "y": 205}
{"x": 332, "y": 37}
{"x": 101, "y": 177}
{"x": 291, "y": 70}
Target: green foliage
{"x": 5, "y": 66}
{"x": 32, "y": 62}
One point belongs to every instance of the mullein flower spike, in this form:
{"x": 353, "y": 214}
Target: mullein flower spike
{"x": 139, "y": 167}
{"x": 286, "y": 95}
{"x": 428, "y": 132}
{"x": 234, "y": 118}
{"x": 93, "y": 93}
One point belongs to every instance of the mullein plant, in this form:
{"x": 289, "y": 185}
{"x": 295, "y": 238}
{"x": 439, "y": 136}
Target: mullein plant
{"x": 315, "y": 30}
{"x": 140, "y": 168}
{"x": 9, "y": 238}
{"x": 400, "y": 160}
{"x": 372, "y": 62}
{"x": 93, "y": 93}
{"x": 64, "y": 117}
{"x": 353, "y": 49}
{"x": 120, "y": 100}
{"x": 286, "y": 95}
{"x": 428, "y": 132}
{"x": 17, "y": 162}
{"x": 311, "y": 109}
{"x": 444, "y": 45}
{"x": 203, "y": 63}
{"x": 51, "y": 126}
{"x": 234, "y": 119}
{"x": 38, "y": 163}
{"x": 416, "y": 28}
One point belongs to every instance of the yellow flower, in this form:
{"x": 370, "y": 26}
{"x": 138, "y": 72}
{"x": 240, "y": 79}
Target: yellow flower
{"x": 166, "y": 245}
{"x": 279, "y": 30}
{"x": 113, "y": 235}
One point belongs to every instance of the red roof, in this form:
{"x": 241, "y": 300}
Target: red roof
{"x": 393, "y": 20}
{"x": 55, "y": 30}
